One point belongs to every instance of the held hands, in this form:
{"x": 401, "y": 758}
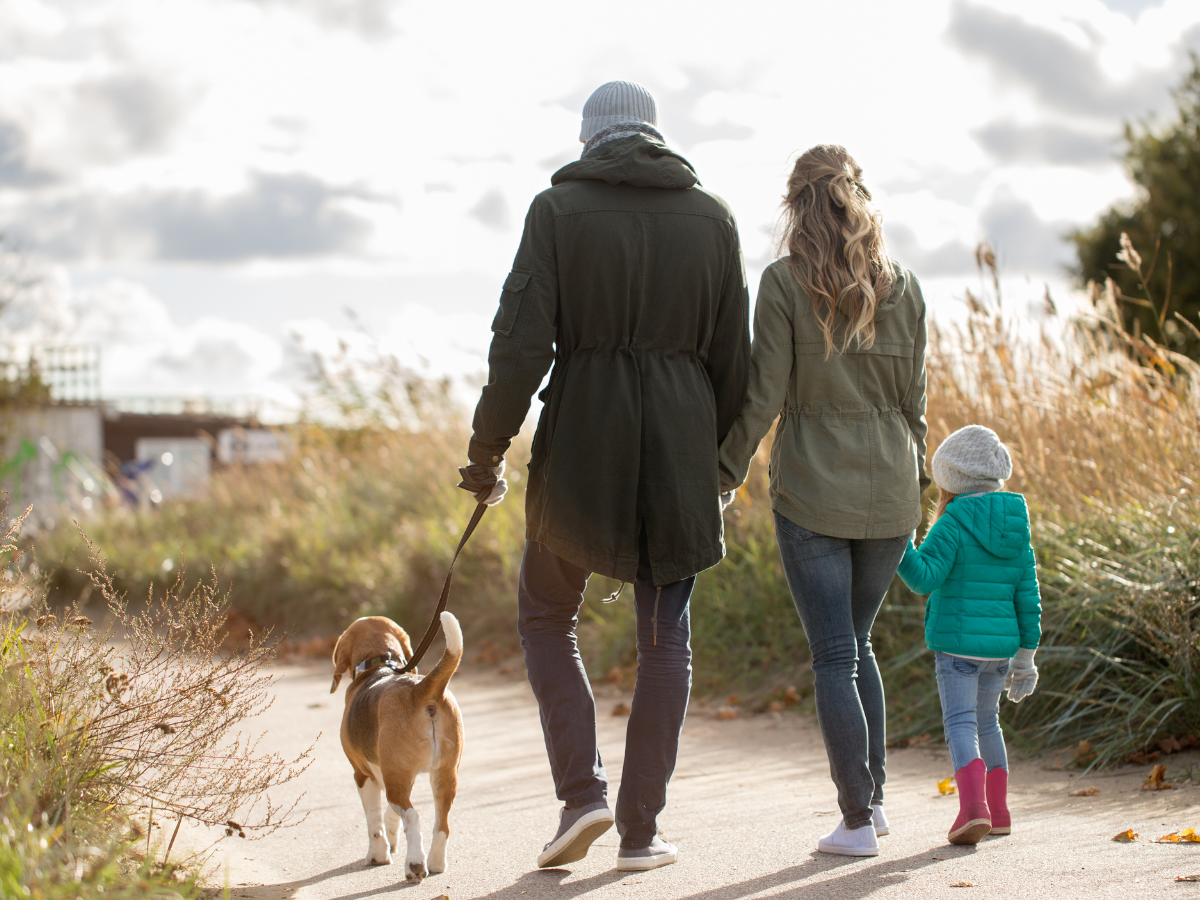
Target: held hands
{"x": 484, "y": 482}
{"x": 1022, "y": 676}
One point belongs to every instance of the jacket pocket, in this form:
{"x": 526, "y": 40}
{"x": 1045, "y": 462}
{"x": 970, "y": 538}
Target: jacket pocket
{"x": 510, "y": 302}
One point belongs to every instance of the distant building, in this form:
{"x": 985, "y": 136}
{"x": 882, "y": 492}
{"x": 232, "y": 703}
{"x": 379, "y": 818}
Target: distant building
{"x": 63, "y": 449}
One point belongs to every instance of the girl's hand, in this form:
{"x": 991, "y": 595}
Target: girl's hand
{"x": 1022, "y": 676}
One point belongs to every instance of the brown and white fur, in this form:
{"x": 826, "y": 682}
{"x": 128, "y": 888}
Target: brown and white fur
{"x": 395, "y": 727}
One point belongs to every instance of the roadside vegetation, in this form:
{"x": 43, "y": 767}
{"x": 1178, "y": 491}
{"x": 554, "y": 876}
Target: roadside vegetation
{"x": 119, "y": 723}
{"x": 1103, "y": 421}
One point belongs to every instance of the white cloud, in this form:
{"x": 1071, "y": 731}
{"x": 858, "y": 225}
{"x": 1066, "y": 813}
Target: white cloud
{"x": 354, "y": 147}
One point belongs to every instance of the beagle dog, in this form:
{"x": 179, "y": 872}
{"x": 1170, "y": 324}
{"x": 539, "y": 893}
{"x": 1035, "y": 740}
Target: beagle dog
{"x": 395, "y": 727}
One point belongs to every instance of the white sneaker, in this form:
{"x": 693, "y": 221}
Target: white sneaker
{"x": 879, "y": 819}
{"x": 844, "y": 842}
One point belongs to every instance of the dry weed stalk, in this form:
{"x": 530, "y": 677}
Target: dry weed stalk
{"x": 144, "y": 711}
{"x": 1098, "y": 417}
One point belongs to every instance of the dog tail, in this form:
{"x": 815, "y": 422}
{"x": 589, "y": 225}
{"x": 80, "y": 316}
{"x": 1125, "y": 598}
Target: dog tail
{"x": 434, "y": 684}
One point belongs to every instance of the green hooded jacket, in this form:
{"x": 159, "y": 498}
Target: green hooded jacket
{"x": 848, "y": 458}
{"x": 629, "y": 280}
{"x": 979, "y": 570}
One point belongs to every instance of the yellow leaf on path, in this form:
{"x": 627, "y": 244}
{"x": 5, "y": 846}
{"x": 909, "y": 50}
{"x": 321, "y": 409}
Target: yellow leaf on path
{"x": 1084, "y": 792}
{"x": 1126, "y": 837}
{"x": 1187, "y": 836}
{"x": 946, "y": 786}
{"x": 1157, "y": 780}
{"x": 962, "y": 884}
{"x": 727, "y": 712}
{"x": 621, "y": 709}
{"x": 1187, "y": 877}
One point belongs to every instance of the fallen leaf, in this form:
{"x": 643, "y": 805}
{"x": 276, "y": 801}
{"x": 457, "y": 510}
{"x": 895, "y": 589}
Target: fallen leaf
{"x": 1141, "y": 758}
{"x": 1170, "y": 744}
{"x": 946, "y": 786}
{"x": 1084, "y": 753}
{"x": 1187, "y": 836}
{"x": 621, "y": 709}
{"x": 1126, "y": 837}
{"x": 1187, "y": 877}
{"x": 937, "y": 857}
{"x": 1084, "y": 792}
{"x": 775, "y": 706}
{"x": 726, "y": 712}
{"x": 1156, "y": 780}
{"x": 733, "y": 699}
{"x": 442, "y": 897}
{"x": 962, "y": 884}
{"x": 791, "y": 696}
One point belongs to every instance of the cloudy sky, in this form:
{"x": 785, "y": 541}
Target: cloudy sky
{"x": 199, "y": 181}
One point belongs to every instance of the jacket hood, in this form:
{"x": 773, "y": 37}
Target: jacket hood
{"x": 638, "y": 161}
{"x": 899, "y": 289}
{"x": 998, "y": 520}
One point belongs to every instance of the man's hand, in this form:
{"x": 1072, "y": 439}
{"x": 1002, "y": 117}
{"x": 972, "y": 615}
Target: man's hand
{"x": 484, "y": 482}
{"x": 1022, "y": 676}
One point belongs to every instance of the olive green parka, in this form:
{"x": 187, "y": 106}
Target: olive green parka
{"x": 848, "y": 457}
{"x": 629, "y": 279}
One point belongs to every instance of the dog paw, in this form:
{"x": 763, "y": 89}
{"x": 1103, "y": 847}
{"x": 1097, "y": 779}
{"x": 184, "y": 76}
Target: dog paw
{"x": 414, "y": 872}
{"x": 436, "y": 868}
{"x": 378, "y": 856}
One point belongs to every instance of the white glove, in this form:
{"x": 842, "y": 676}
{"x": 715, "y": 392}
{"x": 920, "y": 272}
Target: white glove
{"x": 1022, "y": 676}
{"x": 726, "y": 498}
{"x": 484, "y": 482}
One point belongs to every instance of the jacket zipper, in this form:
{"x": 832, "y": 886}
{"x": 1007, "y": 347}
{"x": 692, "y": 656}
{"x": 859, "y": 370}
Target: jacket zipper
{"x": 654, "y": 618}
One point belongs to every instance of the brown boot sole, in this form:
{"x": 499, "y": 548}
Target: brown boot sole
{"x": 971, "y": 833}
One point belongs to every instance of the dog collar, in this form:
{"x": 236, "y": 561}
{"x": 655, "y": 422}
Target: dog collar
{"x": 388, "y": 660}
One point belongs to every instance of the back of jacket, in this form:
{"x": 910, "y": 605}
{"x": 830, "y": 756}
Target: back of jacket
{"x": 978, "y": 567}
{"x": 630, "y": 280}
{"x": 848, "y": 457}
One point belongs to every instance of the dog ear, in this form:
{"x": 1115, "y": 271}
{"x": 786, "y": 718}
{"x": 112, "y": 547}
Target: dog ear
{"x": 402, "y": 636}
{"x": 341, "y": 661}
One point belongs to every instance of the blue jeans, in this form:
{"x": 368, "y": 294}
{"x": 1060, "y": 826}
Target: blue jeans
{"x": 970, "y": 691}
{"x": 838, "y": 586}
{"x": 548, "y": 601}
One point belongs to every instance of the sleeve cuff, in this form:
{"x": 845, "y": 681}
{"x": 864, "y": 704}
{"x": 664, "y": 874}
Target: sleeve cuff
{"x": 486, "y": 454}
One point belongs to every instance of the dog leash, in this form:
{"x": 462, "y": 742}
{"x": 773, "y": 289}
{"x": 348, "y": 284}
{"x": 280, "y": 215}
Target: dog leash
{"x": 436, "y": 624}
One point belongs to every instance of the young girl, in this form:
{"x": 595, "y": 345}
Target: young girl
{"x": 983, "y": 619}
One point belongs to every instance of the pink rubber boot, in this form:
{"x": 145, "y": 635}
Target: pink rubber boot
{"x": 997, "y": 801}
{"x": 974, "y": 820}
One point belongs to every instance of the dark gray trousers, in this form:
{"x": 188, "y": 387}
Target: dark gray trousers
{"x": 549, "y": 597}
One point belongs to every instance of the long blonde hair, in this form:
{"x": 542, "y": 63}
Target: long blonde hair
{"x": 835, "y": 239}
{"x": 943, "y": 500}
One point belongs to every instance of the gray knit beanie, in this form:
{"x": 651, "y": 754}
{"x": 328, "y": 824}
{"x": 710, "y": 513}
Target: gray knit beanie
{"x": 971, "y": 461}
{"x": 617, "y": 103}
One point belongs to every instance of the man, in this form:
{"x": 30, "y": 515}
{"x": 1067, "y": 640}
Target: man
{"x": 629, "y": 279}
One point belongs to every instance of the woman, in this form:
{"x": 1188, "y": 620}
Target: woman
{"x": 839, "y": 356}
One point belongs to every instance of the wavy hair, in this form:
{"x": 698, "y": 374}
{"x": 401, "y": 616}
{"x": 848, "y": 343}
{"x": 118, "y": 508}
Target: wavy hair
{"x": 835, "y": 240}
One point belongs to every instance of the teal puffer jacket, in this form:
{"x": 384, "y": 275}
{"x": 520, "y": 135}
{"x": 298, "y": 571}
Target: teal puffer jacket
{"x": 978, "y": 568}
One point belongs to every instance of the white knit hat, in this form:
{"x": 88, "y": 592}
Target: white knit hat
{"x": 971, "y": 461}
{"x": 616, "y": 103}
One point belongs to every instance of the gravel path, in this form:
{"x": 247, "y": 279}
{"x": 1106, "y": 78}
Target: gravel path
{"x": 746, "y": 806}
